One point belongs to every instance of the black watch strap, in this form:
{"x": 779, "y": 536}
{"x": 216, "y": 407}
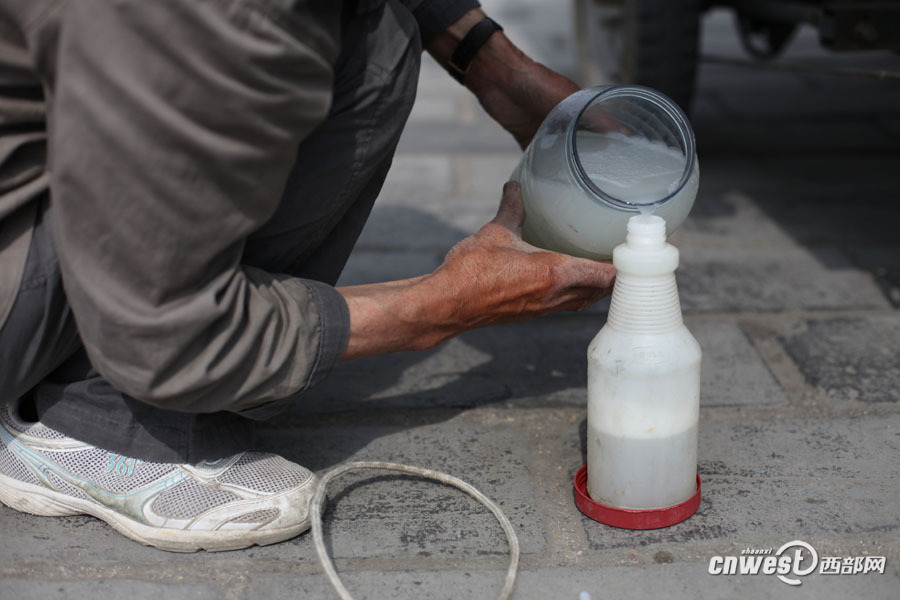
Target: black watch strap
{"x": 470, "y": 45}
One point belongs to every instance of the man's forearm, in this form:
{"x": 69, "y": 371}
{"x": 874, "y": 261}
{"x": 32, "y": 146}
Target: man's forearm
{"x": 392, "y": 316}
{"x": 515, "y": 90}
{"x": 489, "y": 278}
{"x": 495, "y": 66}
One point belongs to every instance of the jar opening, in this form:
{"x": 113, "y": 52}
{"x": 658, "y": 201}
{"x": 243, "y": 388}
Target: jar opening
{"x": 632, "y": 147}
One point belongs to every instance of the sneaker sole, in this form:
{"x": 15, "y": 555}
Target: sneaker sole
{"x": 28, "y": 498}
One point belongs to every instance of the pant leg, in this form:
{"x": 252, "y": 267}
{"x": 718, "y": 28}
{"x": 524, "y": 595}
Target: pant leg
{"x": 39, "y": 333}
{"x": 340, "y": 169}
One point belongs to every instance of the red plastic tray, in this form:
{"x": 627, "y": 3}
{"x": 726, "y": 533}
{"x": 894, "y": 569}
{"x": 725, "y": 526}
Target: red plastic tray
{"x": 626, "y": 518}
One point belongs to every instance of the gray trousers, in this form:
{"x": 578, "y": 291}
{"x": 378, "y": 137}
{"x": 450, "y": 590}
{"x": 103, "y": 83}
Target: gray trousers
{"x": 327, "y": 199}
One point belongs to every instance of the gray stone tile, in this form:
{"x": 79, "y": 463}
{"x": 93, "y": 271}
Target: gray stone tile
{"x": 403, "y": 228}
{"x": 860, "y": 449}
{"x": 849, "y": 359}
{"x": 827, "y": 179}
{"x": 729, "y": 217}
{"x": 421, "y": 173}
{"x": 456, "y": 137}
{"x": 883, "y": 262}
{"x": 534, "y": 364}
{"x": 677, "y": 580}
{"x": 24, "y": 589}
{"x": 434, "y": 225}
{"x": 374, "y": 266}
{"x": 795, "y": 200}
{"x": 820, "y": 202}
{"x": 372, "y": 584}
{"x": 382, "y": 514}
{"x": 542, "y": 363}
{"x": 727, "y": 80}
{"x": 691, "y": 581}
{"x": 775, "y": 479}
{"x": 845, "y": 102}
{"x": 768, "y": 511}
{"x": 483, "y": 176}
{"x": 762, "y": 279}
{"x": 433, "y": 79}
{"x": 431, "y": 106}
{"x": 781, "y": 480}
{"x": 891, "y": 125}
{"x": 732, "y": 373}
{"x": 736, "y": 137}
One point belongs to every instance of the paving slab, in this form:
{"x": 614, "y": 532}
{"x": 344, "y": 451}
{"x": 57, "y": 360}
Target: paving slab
{"x": 850, "y": 359}
{"x": 377, "y": 514}
{"x": 677, "y": 581}
{"x": 773, "y": 279}
{"x": 24, "y": 589}
{"x": 732, "y": 373}
{"x": 420, "y": 173}
{"x": 375, "y": 584}
{"x": 765, "y": 481}
{"x": 373, "y": 266}
{"x": 728, "y": 137}
{"x": 883, "y": 262}
{"x": 729, "y": 216}
{"x": 691, "y": 581}
{"x": 535, "y": 364}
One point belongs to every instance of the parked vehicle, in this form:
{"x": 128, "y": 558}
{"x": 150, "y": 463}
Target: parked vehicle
{"x": 655, "y": 42}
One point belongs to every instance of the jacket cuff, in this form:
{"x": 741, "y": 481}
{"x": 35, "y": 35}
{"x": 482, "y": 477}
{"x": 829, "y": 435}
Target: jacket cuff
{"x": 334, "y": 324}
{"x": 435, "y": 16}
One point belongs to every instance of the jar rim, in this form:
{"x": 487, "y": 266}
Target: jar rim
{"x": 661, "y": 101}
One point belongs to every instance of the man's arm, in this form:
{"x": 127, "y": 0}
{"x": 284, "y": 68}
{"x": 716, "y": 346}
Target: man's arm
{"x": 489, "y": 278}
{"x": 515, "y": 90}
{"x": 492, "y": 277}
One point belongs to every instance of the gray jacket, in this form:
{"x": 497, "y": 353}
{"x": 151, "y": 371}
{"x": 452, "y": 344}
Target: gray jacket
{"x": 164, "y": 130}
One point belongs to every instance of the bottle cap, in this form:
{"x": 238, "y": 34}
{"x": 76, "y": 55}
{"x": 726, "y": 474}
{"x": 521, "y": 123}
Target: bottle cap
{"x": 627, "y": 518}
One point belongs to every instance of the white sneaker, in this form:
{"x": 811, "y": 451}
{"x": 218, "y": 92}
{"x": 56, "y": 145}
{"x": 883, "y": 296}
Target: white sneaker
{"x": 249, "y": 498}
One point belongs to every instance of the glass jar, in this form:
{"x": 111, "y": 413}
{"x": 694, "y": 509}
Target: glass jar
{"x": 601, "y": 156}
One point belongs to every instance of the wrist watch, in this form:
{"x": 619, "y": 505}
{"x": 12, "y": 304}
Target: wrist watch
{"x": 469, "y": 46}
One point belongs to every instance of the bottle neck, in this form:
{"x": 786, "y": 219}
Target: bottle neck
{"x": 645, "y": 304}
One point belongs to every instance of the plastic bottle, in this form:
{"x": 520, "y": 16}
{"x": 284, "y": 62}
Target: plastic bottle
{"x": 643, "y": 382}
{"x": 600, "y": 157}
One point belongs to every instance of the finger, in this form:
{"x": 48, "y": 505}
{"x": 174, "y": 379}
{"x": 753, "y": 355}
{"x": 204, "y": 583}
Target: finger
{"x": 592, "y": 274}
{"x": 511, "y": 214}
{"x": 582, "y": 298}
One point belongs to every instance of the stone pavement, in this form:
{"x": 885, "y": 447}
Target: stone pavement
{"x": 790, "y": 280}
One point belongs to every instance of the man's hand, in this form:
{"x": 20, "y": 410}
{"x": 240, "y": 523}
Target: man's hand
{"x": 516, "y": 91}
{"x": 489, "y": 278}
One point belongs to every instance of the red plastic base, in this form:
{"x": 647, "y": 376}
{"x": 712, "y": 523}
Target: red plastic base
{"x": 626, "y": 518}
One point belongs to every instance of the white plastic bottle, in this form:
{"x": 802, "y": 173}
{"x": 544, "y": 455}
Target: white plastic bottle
{"x": 643, "y": 382}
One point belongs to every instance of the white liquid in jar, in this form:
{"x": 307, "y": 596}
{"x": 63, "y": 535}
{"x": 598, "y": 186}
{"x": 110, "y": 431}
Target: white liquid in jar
{"x": 630, "y": 168}
{"x": 562, "y": 216}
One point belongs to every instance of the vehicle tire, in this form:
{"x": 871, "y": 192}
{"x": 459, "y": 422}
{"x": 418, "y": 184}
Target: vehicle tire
{"x": 649, "y": 42}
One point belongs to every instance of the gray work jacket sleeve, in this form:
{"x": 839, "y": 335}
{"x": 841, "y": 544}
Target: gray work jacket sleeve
{"x": 174, "y": 127}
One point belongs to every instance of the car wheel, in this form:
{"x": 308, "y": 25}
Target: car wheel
{"x": 649, "y": 42}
